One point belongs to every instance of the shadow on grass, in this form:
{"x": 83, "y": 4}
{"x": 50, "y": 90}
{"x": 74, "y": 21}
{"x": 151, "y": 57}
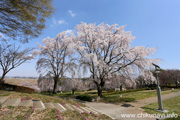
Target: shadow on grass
{"x": 148, "y": 108}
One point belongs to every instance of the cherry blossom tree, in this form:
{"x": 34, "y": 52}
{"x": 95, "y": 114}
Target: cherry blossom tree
{"x": 56, "y": 56}
{"x": 72, "y": 85}
{"x": 105, "y": 50}
{"x": 145, "y": 79}
{"x": 45, "y": 83}
{"x": 116, "y": 81}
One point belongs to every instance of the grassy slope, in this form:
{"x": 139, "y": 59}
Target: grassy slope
{"x": 114, "y": 96}
{"x": 22, "y": 113}
{"x": 35, "y": 96}
{"x": 172, "y": 105}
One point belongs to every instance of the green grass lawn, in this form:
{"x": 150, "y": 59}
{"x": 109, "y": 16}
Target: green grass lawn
{"x": 172, "y": 105}
{"x": 114, "y": 96}
{"x": 23, "y": 113}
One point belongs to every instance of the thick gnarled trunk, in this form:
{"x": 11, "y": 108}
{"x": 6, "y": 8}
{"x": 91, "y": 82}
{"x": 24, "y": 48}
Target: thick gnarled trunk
{"x": 55, "y": 84}
{"x": 2, "y": 78}
{"x": 99, "y": 89}
{"x": 100, "y": 86}
{"x": 2, "y": 81}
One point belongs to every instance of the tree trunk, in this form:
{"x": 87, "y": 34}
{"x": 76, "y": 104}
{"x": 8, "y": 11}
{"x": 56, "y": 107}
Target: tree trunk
{"x": 176, "y": 84}
{"x": 120, "y": 87}
{"x": 99, "y": 87}
{"x": 73, "y": 92}
{"x": 99, "y": 91}
{"x": 55, "y": 84}
{"x": 2, "y": 78}
{"x": 2, "y": 81}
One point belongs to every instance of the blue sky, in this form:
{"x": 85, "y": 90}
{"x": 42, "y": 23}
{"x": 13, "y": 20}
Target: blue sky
{"x": 154, "y": 23}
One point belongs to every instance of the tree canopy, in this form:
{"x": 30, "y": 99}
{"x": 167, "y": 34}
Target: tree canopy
{"x": 106, "y": 50}
{"x": 24, "y": 19}
{"x": 56, "y": 56}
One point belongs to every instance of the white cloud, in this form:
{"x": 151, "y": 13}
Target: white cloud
{"x": 69, "y": 31}
{"x": 71, "y": 13}
{"x": 56, "y": 22}
{"x": 61, "y": 22}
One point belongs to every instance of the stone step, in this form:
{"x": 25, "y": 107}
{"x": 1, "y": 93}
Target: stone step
{"x": 38, "y": 105}
{"x": 28, "y": 103}
{"x": 77, "y": 109}
{"x": 68, "y": 107}
{"x": 11, "y": 102}
{"x": 3, "y": 99}
{"x": 59, "y": 107}
{"x": 91, "y": 110}
{"x": 85, "y": 110}
{"x": 49, "y": 105}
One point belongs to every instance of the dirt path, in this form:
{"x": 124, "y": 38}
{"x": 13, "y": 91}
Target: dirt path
{"x": 116, "y": 111}
{"x": 146, "y": 101}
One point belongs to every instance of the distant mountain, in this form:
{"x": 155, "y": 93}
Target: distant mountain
{"x": 21, "y": 77}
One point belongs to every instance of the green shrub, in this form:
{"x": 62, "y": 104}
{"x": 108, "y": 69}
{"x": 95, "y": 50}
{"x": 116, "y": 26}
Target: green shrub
{"x": 125, "y": 91}
{"x": 24, "y": 89}
{"x": 91, "y": 93}
{"x": 117, "y": 99}
{"x": 150, "y": 88}
{"x": 17, "y": 88}
{"x": 84, "y": 97}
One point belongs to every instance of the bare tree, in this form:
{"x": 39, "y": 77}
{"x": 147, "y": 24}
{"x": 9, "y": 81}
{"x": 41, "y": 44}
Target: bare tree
{"x": 12, "y": 57}
{"x": 105, "y": 50}
{"x": 56, "y": 56}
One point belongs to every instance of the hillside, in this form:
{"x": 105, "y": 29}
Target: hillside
{"x": 48, "y": 113}
{"x": 26, "y": 82}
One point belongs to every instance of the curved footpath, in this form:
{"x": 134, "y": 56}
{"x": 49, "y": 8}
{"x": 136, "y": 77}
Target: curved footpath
{"x": 116, "y": 111}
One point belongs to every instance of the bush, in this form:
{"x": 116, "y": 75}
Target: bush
{"x": 91, "y": 93}
{"x": 17, "y": 88}
{"x": 125, "y": 91}
{"x": 151, "y": 88}
{"x": 117, "y": 99}
{"x": 84, "y": 98}
{"x": 24, "y": 89}
{"x": 168, "y": 87}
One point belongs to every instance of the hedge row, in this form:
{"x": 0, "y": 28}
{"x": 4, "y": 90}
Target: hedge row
{"x": 18, "y": 88}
